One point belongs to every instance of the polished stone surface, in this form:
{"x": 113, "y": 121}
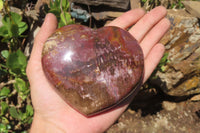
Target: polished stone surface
{"x": 93, "y": 70}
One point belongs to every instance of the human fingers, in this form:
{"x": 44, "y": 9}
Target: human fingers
{"x": 127, "y": 19}
{"x": 153, "y": 59}
{"x": 154, "y": 35}
{"x": 150, "y": 19}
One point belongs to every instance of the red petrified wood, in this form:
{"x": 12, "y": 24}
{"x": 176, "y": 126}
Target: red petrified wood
{"x": 93, "y": 70}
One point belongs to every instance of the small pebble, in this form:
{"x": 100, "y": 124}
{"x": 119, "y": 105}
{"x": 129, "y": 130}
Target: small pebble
{"x": 195, "y": 98}
{"x": 169, "y": 106}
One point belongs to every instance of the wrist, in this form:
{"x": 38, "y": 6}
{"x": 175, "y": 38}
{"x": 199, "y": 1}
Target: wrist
{"x": 41, "y": 125}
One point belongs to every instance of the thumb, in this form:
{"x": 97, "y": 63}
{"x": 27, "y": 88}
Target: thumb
{"x": 48, "y": 27}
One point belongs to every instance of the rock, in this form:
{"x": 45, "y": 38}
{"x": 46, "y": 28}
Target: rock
{"x": 106, "y": 15}
{"x": 135, "y": 4}
{"x": 121, "y": 4}
{"x": 79, "y": 13}
{"x": 40, "y": 4}
{"x": 182, "y": 26}
{"x": 182, "y": 42}
{"x": 169, "y": 106}
{"x": 31, "y": 15}
{"x": 16, "y": 10}
{"x": 93, "y": 69}
{"x": 192, "y": 7}
{"x": 195, "y": 98}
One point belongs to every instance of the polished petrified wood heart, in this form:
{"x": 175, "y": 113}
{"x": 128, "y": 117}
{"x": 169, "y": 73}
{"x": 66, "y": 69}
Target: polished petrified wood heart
{"x": 93, "y": 70}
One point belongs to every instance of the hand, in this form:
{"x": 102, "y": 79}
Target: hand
{"x": 52, "y": 114}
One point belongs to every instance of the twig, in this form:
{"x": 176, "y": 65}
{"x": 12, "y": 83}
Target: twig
{"x": 2, "y": 84}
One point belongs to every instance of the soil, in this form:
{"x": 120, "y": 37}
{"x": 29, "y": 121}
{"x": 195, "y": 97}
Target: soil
{"x": 155, "y": 112}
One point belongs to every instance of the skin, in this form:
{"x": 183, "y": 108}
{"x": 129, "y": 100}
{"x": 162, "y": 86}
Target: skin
{"x": 51, "y": 113}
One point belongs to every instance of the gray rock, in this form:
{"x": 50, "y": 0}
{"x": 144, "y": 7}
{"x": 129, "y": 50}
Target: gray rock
{"x": 121, "y": 4}
{"x": 192, "y": 7}
{"x": 182, "y": 42}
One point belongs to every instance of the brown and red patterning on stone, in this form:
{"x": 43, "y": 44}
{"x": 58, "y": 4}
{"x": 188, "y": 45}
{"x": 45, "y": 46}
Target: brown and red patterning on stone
{"x": 93, "y": 69}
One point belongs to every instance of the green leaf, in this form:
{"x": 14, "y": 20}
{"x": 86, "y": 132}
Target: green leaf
{"x": 16, "y": 18}
{"x": 16, "y": 62}
{"x": 164, "y": 60}
{"x": 29, "y": 110}
{"x": 56, "y": 13}
{"x": 26, "y": 117}
{"x": 4, "y": 108}
{"x": 14, "y": 30}
{"x": 60, "y": 24}
{"x": 4, "y": 92}
{"x": 63, "y": 18}
{"x": 12, "y": 25}
{"x": 24, "y": 132}
{"x": 162, "y": 64}
{"x": 22, "y": 27}
{"x": 68, "y": 18}
{"x": 5, "y": 53}
{"x": 22, "y": 88}
{"x": 144, "y": 1}
{"x": 57, "y": 4}
{"x": 5, "y": 120}
{"x": 3, "y": 31}
{"x": 3, "y": 128}
{"x": 51, "y": 4}
{"x": 6, "y": 21}
{"x": 20, "y": 85}
{"x": 14, "y": 113}
{"x": 21, "y": 115}
{"x": 64, "y": 4}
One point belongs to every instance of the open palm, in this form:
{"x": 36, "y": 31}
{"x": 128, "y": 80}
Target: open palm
{"x": 52, "y": 114}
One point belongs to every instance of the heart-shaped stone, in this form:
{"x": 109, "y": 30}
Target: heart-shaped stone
{"x": 93, "y": 70}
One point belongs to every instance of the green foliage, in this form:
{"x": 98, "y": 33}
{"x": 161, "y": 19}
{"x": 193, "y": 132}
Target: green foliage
{"x": 23, "y": 117}
{"x": 4, "y": 108}
{"x": 4, "y": 92}
{"x": 4, "y": 128}
{"x": 16, "y": 63}
{"x": 22, "y": 88}
{"x": 5, "y": 53}
{"x": 173, "y": 4}
{"x": 161, "y": 66}
{"x": 60, "y": 8}
{"x": 143, "y": 1}
{"x": 177, "y": 5}
{"x": 16, "y": 109}
{"x": 13, "y": 26}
